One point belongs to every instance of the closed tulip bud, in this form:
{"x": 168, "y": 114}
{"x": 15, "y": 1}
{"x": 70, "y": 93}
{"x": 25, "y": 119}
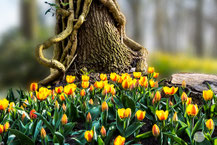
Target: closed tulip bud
{"x": 183, "y": 84}
{"x": 175, "y": 117}
{"x": 104, "y": 106}
{"x": 119, "y": 140}
{"x": 64, "y": 119}
{"x": 43, "y": 133}
{"x": 155, "y": 130}
{"x": 1, "y": 129}
{"x": 82, "y": 93}
{"x": 103, "y": 131}
{"x": 56, "y": 104}
{"x": 34, "y": 87}
{"x": 88, "y": 135}
{"x": 210, "y": 124}
{"x": 59, "y": 89}
{"x": 162, "y": 115}
{"x": 32, "y": 114}
{"x": 150, "y": 70}
{"x": 88, "y": 118}
{"x": 91, "y": 101}
{"x": 207, "y": 95}
{"x": 125, "y": 84}
{"x": 171, "y": 103}
{"x": 184, "y": 97}
{"x": 91, "y": 88}
{"x": 140, "y": 115}
{"x": 64, "y": 107}
{"x": 23, "y": 116}
{"x": 157, "y": 96}
{"x": 192, "y": 110}
{"x": 153, "y": 101}
{"x": 6, "y": 126}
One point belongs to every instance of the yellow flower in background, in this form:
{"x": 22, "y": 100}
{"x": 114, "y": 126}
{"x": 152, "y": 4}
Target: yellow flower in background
{"x": 43, "y": 133}
{"x": 114, "y": 77}
{"x": 91, "y": 101}
{"x": 64, "y": 119}
{"x": 59, "y": 89}
{"x": 34, "y": 87}
{"x": 85, "y": 78}
{"x": 103, "y": 131}
{"x": 1, "y": 129}
{"x": 137, "y": 75}
{"x": 150, "y": 70}
{"x": 85, "y": 84}
{"x": 140, "y": 115}
{"x": 170, "y": 91}
{"x": 183, "y": 84}
{"x": 4, "y": 104}
{"x": 103, "y": 77}
{"x": 88, "y": 135}
{"x": 208, "y": 95}
{"x": 162, "y": 115}
{"x": 119, "y": 140}
{"x": 155, "y": 130}
{"x": 155, "y": 75}
{"x": 124, "y": 113}
{"x": 210, "y": 124}
{"x": 70, "y": 79}
{"x": 192, "y": 110}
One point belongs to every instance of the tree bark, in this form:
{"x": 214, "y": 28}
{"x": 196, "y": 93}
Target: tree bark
{"x": 91, "y": 36}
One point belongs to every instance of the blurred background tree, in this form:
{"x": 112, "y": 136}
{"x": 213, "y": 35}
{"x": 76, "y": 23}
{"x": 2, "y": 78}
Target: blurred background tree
{"x": 181, "y": 35}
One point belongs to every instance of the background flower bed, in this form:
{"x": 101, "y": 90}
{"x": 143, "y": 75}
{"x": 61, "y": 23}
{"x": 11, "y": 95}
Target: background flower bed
{"x": 114, "y": 110}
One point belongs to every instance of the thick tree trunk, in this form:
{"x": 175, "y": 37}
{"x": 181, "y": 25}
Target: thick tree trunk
{"x": 90, "y": 35}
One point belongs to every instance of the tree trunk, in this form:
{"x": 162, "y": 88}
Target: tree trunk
{"x": 91, "y": 36}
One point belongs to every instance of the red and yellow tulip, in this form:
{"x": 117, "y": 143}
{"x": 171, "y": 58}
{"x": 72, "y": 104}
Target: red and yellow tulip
{"x": 88, "y": 135}
{"x": 4, "y": 104}
{"x": 64, "y": 119}
{"x": 103, "y": 131}
{"x": 210, "y": 124}
{"x": 155, "y": 130}
{"x": 32, "y": 114}
{"x": 192, "y": 110}
{"x": 150, "y": 70}
{"x": 34, "y": 86}
{"x": 140, "y": 115}
{"x": 162, "y": 115}
{"x": 119, "y": 140}
{"x": 124, "y": 113}
{"x": 70, "y": 79}
{"x": 104, "y": 106}
{"x": 208, "y": 95}
{"x": 170, "y": 91}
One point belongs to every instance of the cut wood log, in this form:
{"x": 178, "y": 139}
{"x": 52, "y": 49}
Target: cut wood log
{"x": 195, "y": 82}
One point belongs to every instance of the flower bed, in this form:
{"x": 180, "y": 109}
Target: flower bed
{"x": 117, "y": 109}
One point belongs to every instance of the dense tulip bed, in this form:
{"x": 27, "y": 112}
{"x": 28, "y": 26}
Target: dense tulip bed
{"x": 112, "y": 110}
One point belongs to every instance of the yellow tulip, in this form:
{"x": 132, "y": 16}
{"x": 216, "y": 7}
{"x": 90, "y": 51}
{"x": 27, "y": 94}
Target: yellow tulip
{"x": 119, "y": 140}
{"x": 85, "y": 84}
{"x": 103, "y": 77}
{"x": 59, "y": 89}
{"x": 114, "y": 77}
{"x": 210, "y": 124}
{"x": 140, "y": 115}
{"x": 1, "y": 129}
{"x": 184, "y": 97}
{"x": 85, "y": 78}
{"x": 88, "y": 135}
{"x": 155, "y": 130}
{"x": 124, "y": 113}
{"x": 155, "y": 75}
{"x": 170, "y": 91}
{"x": 150, "y": 70}
{"x": 162, "y": 115}
{"x": 43, "y": 133}
{"x": 192, "y": 110}
{"x": 6, "y": 126}
{"x": 137, "y": 75}
{"x": 70, "y": 79}
{"x": 207, "y": 95}
{"x": 4, "y": 104}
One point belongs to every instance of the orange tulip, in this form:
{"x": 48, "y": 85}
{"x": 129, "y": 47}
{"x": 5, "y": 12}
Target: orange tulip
{"x": 155, "y": 75}
{"x": 162, "y": 115}
{"x": 103, "y": 131}
{"x": 192, "y": 110}
{"x": 23, "y": 116}
{"x": 119, "y": 140}
{"x": 43, "y": 133}
{"x": 207, "y": 95}
{"x": 155, "y": 130}
{"x": 140, "y": 115}
{"x": 32, "y": 114}
{"x": 210, "y": 124}
{"x": 82, "y": 93}
{"x": 70, "y": 79}
{"x": 88, "y": 135}
{"x": 34, "y": 87}
{"x": 88, "y": 118}
{"x": 170, "y": 91}
{"x": 104, "y": 106}
{"x": 64, "y": 119}
{"x": 91, "y": 101}
{"x": 91, "y": 88}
